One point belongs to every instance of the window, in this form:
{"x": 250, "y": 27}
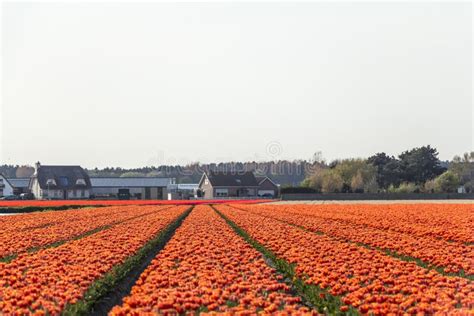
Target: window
{"x": 222, "y": 192}
{"x": 50, "y": 182}
{"x": 83, "y": 193}
{"x": 80, "y": 182}
{"x": 206, "y": 181}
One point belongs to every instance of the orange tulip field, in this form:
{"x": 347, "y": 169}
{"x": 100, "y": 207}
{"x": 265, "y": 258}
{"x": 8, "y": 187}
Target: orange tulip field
{"x": 239, "y": 259}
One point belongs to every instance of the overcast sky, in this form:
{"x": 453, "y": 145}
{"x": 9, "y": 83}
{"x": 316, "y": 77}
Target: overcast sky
{"x": 144, "y": 84}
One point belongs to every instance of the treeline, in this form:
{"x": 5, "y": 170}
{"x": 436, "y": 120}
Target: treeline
{"x": 290, "y": 173}
{"x": 16, "y": 171}
{"x": 413, "y": 171}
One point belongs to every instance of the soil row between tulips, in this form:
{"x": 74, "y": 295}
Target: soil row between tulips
{"x": 10, "y": 257}
{"x": 32, "y": 209}
{"x": 314, "y": 296}
{"x": 109, "y": 290}
{"x": 387, "y": 252}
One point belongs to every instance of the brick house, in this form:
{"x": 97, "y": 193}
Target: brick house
{"x": 266, "y": 187}
{"x": 218, "y": 184}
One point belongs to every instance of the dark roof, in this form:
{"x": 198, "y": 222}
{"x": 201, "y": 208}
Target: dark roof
{"x": 19, "y": 182}
{"x": 7, "y": 180}
{"x": 232, "y": 179}
{"x": 64, "y": 176}
{"x": 116, "y": 182}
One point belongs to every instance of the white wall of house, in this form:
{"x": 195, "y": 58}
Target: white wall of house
{"x": 58, "y": 194}
{"x": 35, "y": 189}
{"x": 5, "y": 188}
{"x": 78, "y": 194}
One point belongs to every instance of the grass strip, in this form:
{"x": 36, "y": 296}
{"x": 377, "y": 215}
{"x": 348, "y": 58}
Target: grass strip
{"x": 317, "y": 297}
{"x": 9, "y": 258}
{"x": 109, "y": 290}
{"x": 387, "y": 252}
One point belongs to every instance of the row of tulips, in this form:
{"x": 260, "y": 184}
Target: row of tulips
{"x": 47, "y": 281}
{"x": 366, "y": 279}
{"x": 449, "y": 222}
{"x": 452, "y": 257}
{"x": 62, "y": 203}
{"x": 33, "y": 220}
{"x": 206, "y": 267}
{"x": 68, "y": 225}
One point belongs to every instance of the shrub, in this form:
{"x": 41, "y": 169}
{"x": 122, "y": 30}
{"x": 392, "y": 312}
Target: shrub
{"x": 447, "y": 182}
{"x": 405, "y": 187}
{"x": 429, "y": 186}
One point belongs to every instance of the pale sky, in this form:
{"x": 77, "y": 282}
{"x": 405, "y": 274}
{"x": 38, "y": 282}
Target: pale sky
{"x": 144, "y": 84}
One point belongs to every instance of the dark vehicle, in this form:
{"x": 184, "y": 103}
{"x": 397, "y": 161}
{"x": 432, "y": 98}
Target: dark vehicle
{"x": 267, "y": 196}
{"x": 27, "y": 196}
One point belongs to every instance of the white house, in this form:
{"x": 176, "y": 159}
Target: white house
{"x": 6, "y": 189}
{"x": 60, "y": 182}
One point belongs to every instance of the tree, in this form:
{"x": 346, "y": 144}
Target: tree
{"x": 315, "y": 180}
{"x": 447, "y": 182}
{"x": 9, "y": 171}
{"x": 305, "y": 183}
{"x": 463, "y": 167}
{"x": 357, "y": 183}
{"x": 358, "y": 169}
{"x": 332, "y": 182}
{"x": 25, "y": 171}
{"x": 420, "y": 164}
{"x": 388, "y": 169}
{"x": 132, "y": 174}
{"x": 348, "y": 175}
{"x": 371, "y": 186}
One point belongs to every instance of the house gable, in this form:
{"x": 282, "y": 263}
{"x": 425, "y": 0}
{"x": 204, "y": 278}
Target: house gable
{"x": 206, "y": 187}
{"x": 6, "y": 189}
{"x": 267, "y": 184}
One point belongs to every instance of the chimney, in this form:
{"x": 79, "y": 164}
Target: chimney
{"x": 37, "y": 166}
